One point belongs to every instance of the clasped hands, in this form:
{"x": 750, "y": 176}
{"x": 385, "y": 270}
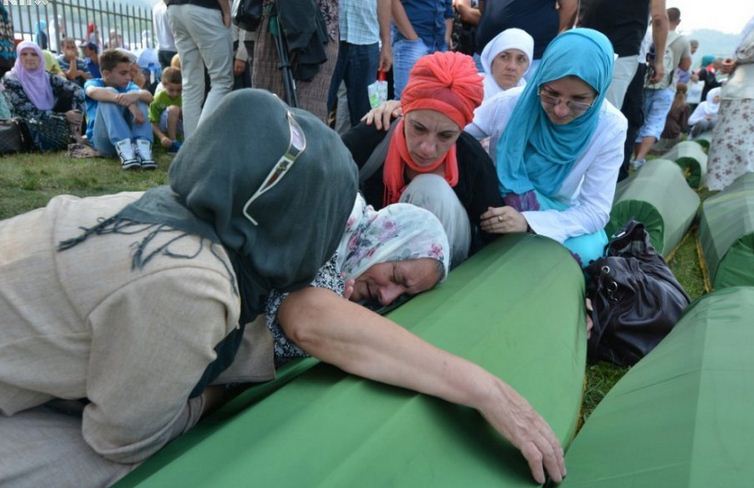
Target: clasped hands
{"x": 503, "y": 220}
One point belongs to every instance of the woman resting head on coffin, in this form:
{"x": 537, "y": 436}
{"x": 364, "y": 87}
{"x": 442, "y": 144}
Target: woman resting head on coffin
{"x": 124, "y": 315}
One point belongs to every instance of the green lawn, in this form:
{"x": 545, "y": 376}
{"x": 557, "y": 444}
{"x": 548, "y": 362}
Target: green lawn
{"x": 29, "y": 181}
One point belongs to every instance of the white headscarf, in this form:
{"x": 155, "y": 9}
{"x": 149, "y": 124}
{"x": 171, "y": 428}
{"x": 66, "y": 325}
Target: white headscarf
{"x": 395, "y": 233}
{"x": 711, "y": 107}
{"x": 508, "y": 39}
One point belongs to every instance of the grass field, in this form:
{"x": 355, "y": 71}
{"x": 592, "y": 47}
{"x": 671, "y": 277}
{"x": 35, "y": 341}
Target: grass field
{"x": 29, "y": 181}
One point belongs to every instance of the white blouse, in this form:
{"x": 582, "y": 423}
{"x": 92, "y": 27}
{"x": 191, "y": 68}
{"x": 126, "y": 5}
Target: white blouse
{"x": 588, "y": 189}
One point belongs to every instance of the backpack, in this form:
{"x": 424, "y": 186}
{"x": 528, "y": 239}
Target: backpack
{"x": 667, "y": 62}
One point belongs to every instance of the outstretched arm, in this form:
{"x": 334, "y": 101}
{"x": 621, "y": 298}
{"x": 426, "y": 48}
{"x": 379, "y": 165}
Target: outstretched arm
{"x": 363, "y": 343}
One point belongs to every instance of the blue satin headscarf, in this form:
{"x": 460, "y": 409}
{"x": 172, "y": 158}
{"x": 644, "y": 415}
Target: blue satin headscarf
{"x": 535, "y": 154}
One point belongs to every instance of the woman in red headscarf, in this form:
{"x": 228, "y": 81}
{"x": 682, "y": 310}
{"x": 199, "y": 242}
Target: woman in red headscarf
{"x": 426, "y": 158}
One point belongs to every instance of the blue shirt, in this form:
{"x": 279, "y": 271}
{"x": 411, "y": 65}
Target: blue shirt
{"x": 91, "y": 104}
{"x": 93, "y": 68}
{"x": 427, "y": 17}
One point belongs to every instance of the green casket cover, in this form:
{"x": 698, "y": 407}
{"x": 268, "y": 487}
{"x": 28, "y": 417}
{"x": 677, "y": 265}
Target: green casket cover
{"x": 692, "y": 159}
{"x": 726, "y": 234}
{"x": 516, "y": 308}
{"x": 682, "y": 417}
{"x": 658, "y": 197}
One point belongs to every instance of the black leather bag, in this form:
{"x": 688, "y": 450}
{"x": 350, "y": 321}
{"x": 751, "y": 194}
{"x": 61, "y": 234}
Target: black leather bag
{"x": 247, "y": 14}
{"x": 14, "y": 136}
{"x": 636, "y": 299}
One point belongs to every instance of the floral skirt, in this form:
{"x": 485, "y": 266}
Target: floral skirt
{"x": 584, "y": 248}
{"x": 731, "y": 152}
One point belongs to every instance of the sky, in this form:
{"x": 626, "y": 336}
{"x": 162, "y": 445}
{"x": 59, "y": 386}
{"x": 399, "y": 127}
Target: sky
{"x": 728, "y": 16}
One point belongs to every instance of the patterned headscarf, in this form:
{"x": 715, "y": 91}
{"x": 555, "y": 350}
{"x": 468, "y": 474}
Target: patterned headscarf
{"x": 397, "y": 232}
{"x": 36, "y": 84}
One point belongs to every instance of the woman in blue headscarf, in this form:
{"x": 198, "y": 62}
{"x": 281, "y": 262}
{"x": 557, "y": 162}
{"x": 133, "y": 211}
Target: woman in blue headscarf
{"x": 558, "y": 145}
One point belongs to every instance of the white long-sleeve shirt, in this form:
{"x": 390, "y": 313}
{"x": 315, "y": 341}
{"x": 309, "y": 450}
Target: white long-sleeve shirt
{"x": 588, "y": 189}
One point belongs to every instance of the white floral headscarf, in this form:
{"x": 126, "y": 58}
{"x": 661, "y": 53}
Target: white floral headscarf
{"x": 397, "y": 232}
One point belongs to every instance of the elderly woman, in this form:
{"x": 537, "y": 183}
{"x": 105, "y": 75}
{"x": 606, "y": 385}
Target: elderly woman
{"x": 426, "y": 158}
{"x": 506, "y": 59}
{"x": 399, "y": 250}
{"x": 130, "y": 309}
{"x": 51, "y": 105}
{"x": 558, "y": 146}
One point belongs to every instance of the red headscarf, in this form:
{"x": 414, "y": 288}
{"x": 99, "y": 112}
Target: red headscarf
{"x": 446, "y": 82}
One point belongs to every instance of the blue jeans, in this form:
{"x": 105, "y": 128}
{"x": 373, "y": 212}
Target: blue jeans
{"x": 405, "y": 55}
{"x": 357, "y": 68}
{"x": 114, "y": 123}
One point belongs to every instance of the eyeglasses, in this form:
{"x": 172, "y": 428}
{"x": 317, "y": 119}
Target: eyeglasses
{"x": 548, "y": 98}
{"x": 296, "y": 146}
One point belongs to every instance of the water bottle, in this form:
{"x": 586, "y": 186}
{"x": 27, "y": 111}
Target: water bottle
{"x": 377, "y": 91}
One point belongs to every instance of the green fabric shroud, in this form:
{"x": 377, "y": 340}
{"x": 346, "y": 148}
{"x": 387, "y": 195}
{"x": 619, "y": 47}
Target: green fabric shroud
{"x": 515, "y": 308}
{"x": 658, "y": 197}
{"x": 692, "y": 159}
{"x": 726, "y": 234}
{"x": 682, "y": 416}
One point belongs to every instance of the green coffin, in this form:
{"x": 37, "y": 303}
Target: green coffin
{"x": 515, "y": 308}
{"x": 726, "y": 234}
{"x": 704, "y": 140}
{"x": 692, "y": 159}
{"x": 682, "y": 417}
{"x": 658, "y": 197}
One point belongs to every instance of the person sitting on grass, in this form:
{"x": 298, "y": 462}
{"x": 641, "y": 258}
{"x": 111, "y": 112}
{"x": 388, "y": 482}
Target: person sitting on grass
{"x": 50, "y": 105}
{"x": 165, "y": 110}
{"x": 116, "y": 113}
{"x": 91, "y": 59}
{"x": 704, "y": 117}
{"x": 74, "y": 69}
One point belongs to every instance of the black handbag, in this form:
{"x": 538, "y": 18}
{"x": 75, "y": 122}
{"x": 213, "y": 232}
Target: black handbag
{"x": 636, "y": 299}
{"x": 14, "y": 136}
{"x": 247, "y": 14}
{"x": 54, "y": 134}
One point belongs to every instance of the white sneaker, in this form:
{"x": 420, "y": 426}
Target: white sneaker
{"x": 637, "y": 163}
{"x": 144, "y": 149}
{"x": 127, "y": 155}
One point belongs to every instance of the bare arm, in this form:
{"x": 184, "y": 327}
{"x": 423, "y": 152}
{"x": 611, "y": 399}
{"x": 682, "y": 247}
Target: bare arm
{"x": 225, "y": 9}
{"x": 103, "y": 94}
{"x": 401, "y": 21}
{"x": 659, "y": 36}
{"x": 363, "y": 343}
{"x": 386, "y": 48}
{"x": 567, "y": 11}
{"x": 468, "y": 14}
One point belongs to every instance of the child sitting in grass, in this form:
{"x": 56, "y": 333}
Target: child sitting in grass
{"x": 165, "y": 110}
{"x": 116, "y": 113}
